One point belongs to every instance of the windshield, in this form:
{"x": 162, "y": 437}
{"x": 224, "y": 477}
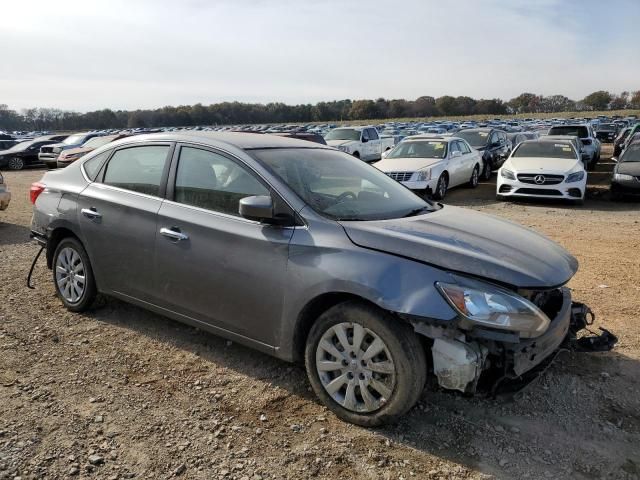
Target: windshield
{"x": 343, "y": 134}
{"x": 544, "y": 149}
{"x": 631, "y": 154}
{"x": 577, "y": 131}
{"x": 419, "y": 149}
{"x": 475, "y": 139}
{"x": 340, "y": 186}
{"x": 96, "y": 142}
{"x": 607, "y": 127}
{"x": 74, "y": 140}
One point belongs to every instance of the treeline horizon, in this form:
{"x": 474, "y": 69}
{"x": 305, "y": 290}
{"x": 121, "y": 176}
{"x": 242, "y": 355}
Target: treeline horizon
{"x": 230, "y": 113}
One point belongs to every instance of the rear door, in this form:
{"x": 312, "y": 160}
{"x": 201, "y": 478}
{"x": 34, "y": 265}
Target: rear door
{"x": 214, "y": 266}
{"x": 118, "y": 216}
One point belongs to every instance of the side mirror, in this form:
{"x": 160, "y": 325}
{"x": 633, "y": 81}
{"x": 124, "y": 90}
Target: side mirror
{"x": 456, "y": 154}
{"x": 364, "y": 140}
{"x": 257, "y": 207}
{"x": 385, "y": 153}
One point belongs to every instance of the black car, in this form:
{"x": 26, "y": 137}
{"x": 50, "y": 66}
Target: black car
{"x": 493, "y": 144}
{"x": 626, "y": 174}
{"x": 606, "y": 132}
{"x": 619, "y": 141}
{"x": 23, "y": 154}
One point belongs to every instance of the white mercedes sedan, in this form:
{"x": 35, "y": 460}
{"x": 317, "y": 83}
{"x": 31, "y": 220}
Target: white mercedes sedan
{"x": 431, "y": 165}
{"x": 543, "y": 169}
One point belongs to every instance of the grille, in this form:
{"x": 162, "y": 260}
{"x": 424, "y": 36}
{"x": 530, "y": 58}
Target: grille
{"x": 539, "y": 191}
{"x": 548, "y": 179}
{"x": 400, "y": 176}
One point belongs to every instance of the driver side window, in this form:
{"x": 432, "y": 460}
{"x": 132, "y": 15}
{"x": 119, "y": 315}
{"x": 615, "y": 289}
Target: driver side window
{"x": 365, "y": 134}
{"x": 212, "y": 181}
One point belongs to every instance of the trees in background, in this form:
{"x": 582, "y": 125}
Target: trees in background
{"x": 226, "y": 113}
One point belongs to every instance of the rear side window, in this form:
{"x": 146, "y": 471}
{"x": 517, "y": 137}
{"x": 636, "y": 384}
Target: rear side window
{"x": 138, "y": 169}
{"x": 93, "y": 165}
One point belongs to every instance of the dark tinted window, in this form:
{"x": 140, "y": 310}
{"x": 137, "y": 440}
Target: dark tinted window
{"x": 138, "y": 169}
{"x": 93, "y": 165}
{"x": 209, "y": 180}
{"x": 365, "y": 134}
{"x": 578, "y": 131}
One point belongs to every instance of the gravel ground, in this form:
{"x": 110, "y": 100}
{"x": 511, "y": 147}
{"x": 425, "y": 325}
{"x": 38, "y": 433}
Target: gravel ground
{"x": 123, "y": 393}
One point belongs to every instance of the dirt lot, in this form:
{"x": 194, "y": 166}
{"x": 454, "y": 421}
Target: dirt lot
{"x": 122, "y": 393}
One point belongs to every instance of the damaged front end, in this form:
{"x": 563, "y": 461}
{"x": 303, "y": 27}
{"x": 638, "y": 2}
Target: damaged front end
{"x": 520, "y": 336}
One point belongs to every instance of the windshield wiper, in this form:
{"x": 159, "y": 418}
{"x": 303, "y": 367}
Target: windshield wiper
{"x": 416, "y": 211}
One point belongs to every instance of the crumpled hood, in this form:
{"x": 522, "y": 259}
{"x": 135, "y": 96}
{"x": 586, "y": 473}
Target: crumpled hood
{"x": 470, "y": 242}
{"x": 336, "y": 143}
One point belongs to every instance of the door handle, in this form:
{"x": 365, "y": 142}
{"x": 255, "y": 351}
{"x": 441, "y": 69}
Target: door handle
{"x": 173, "y": 233}
{"x": 90, "y": 213}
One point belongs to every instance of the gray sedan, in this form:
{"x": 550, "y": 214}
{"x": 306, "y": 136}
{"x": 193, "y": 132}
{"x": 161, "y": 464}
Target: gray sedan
{"x": 305, "y": 253}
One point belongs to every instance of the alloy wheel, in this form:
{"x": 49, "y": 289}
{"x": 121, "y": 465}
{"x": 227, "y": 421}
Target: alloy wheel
{"x": 15, "y": 163}
{"x": 70, "y": 275}
{"x": 355, "y": 367}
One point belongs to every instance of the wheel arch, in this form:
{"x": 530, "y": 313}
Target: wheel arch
{"x": 312, "y": 311}
{"x": 56, "y": 235}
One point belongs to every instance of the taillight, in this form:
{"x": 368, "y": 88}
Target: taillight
{"x": 36, "y": 189}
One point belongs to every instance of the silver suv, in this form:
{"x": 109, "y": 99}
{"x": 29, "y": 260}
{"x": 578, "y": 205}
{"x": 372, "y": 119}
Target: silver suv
{"x": 306, "y": 253}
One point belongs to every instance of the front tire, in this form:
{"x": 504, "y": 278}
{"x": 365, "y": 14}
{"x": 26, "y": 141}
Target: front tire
{"x": 72, "y": 275}
{"x": 475, "y": 177}
{"x": 366, "y": 366}
{"x": 441, "y": 187}
{"x": 15, "y": 163}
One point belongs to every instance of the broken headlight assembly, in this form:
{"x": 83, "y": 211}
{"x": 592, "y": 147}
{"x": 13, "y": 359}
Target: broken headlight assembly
{"x": 485, "y": 305}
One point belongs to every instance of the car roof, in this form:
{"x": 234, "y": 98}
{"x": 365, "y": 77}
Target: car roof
{"x": 242, "y": 140}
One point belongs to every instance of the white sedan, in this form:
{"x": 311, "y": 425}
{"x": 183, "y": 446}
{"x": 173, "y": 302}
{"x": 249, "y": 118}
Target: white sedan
{"x": 543, "y": 169}
{"x": 431, "y": 165}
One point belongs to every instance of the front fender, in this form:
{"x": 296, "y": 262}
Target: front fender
{"x": 393, "y": 283}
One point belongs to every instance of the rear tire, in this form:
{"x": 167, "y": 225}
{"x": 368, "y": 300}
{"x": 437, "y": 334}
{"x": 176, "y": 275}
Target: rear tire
{"x": 72, "y": 275}
{"x": 15, "y": 163}
{"x": 337, "y": 364}
{"x": 486, "y": 171}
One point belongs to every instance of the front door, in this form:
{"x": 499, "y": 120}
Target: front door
{"x": 213, "y": 265}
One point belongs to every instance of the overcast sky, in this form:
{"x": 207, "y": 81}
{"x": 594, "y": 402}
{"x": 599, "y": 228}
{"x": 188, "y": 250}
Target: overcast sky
{"x": 131, "y": 54}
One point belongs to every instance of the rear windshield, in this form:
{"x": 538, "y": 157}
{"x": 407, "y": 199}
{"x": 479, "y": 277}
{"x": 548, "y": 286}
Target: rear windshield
{"x": 475, "y": 139}
{"x": 343, "y": 134}
{"x": 419, "y": 149}
{"x": 74, "y": 139}
{"x": 544, "y": 149}
{"x": 577, "y": 131}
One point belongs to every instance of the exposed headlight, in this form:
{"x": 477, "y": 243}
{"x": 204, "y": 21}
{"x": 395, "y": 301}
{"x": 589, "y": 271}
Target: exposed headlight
{"x": 490, "y": 306}
{"x": 423, "y": 175}
{"x": 508, "y": 174}
{"x": 343, "y": 148}
{"x": 575, "y": 177}
{"x": 622, "y": 177}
